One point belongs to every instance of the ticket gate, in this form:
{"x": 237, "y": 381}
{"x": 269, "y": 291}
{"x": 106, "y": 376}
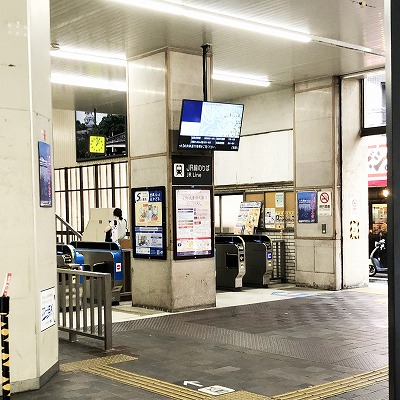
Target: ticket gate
{"x": 258, "y": 256}
{"x": 68, "y": 257}
{"x": 230, "y": 265}
{"x": 104, "y": 257}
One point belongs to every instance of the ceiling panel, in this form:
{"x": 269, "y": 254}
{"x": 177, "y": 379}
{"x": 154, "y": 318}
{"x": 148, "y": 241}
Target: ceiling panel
{"x": 113, "y": 27}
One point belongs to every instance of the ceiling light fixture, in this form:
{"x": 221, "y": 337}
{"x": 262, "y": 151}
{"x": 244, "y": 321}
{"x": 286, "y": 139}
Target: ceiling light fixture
{"x": 241, "y": 78}
{"x": 79, "y": 55}
{"x": 95, "y": 83}
{"x": 216, "y": 18}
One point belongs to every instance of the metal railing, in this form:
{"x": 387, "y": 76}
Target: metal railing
{"x": 65, "y": 232}
{"x": 84, "y": 303}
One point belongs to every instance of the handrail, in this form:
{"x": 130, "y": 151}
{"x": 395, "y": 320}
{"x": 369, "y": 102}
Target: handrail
{"x": 70, "y": 227}
{"x": 67, "y": 232}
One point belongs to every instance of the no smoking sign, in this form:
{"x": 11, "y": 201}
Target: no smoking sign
{"x": 325, "y": 203}
{"x": 324, "y": 197}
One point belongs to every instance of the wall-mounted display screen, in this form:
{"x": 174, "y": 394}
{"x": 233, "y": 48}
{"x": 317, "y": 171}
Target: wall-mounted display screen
{"x": 90, "y": 125}
{"x": 193, "y": 222}
{"x": 208, "y": 125}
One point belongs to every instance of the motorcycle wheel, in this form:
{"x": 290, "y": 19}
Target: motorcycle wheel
{"x": 372, "y": 270}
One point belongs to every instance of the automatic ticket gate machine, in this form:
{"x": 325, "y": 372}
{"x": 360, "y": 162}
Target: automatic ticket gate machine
{"x": 104, "y": 257}
{"x": 258, "y": 255}
{"x": 67, "y": 256}
{"x": 230, "y": 262}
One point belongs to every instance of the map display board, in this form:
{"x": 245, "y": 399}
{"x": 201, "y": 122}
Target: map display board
{"x": 208, "y": 125}
{"x": 193, "y": 222}
{"x": 248, "y": 218}
{"x": 148, "y": 215}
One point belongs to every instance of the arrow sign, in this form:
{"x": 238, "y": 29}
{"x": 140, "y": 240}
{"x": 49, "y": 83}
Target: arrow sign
{"x": 193, "y": 383}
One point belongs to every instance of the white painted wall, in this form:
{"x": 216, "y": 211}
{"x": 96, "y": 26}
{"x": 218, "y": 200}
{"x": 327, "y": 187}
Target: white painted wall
{"x": 266, "y": 146}
{"x": 27, "y": 238}
{"x": 354, "y": 187}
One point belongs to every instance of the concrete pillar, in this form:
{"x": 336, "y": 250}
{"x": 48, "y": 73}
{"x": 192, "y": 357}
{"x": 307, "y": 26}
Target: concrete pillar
{"x": 332, "y": 249}
{"x": 354, "y": 187}
{"x": 27, "y": 238}
{"x": 157, "y": 84}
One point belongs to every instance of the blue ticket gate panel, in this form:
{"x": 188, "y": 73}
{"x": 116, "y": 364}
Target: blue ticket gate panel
{"x": 258, "y": 255}
{"x": 104, "y": 257}
{"x": 230, "y": 265}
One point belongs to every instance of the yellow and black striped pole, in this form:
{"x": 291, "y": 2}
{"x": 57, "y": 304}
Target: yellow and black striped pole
{"x": 5, "y": 347}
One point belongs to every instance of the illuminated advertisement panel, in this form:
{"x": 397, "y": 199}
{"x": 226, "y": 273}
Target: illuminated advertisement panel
{"x": 193, "y": 222}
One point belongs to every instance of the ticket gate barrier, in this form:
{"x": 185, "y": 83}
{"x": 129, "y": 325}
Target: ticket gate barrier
{"x": 68, "y": 257}
{"x": 258, "y": 256}
{"x": 104, "y": 257}
{"x": 230, "y": 265}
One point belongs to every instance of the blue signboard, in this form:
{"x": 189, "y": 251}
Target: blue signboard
{"x": 307, "y": 207}
{"x": 148, "y": 211}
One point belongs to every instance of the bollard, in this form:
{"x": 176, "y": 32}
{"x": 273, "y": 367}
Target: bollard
{"x": 5, "y": 348}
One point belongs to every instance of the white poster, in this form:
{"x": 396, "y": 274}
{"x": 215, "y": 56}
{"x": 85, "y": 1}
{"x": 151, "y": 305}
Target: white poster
{"x": 269, "y": 219}
{"x": 193, "y": 222}
{"x": 47, "y": 308}
{"x": 279, "y": 200}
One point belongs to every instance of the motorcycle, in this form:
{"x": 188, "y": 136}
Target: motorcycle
{"x": 377, "y": 258}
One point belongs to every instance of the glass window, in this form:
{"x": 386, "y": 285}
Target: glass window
{"x": 379, "y": 218}
{"x": 374, "y": 101}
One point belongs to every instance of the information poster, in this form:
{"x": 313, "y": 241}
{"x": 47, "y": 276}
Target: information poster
{"x": 289, "y": 219}
{"x": 193, "y": 225}
{"x": 47, "y": 308}
{"x": 280, "y": 220}
{"x": 248, "y": 218}
{"x": 307, "y": 207}
{"x": 45, "y": 175}
{"x": 149, "y": 240}
{"x": 279, "y": 200}
{"x": 269, "y": 219}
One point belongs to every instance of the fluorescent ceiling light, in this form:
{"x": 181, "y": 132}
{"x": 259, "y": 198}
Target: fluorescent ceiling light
{"x": 73, "y": 80}
{"x": 220, "y": 19}
{"x": 241, "y": 78}
{"x": 79, "y": 55}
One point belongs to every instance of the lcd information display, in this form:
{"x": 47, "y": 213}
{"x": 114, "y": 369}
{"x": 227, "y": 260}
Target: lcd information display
{"x": 210, "y": 126}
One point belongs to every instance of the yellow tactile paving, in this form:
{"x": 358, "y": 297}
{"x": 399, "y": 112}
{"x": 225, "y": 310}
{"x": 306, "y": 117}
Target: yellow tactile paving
{"x": 338, "y": 387}
{"x": 241, "y": 395}
{"x": 80, "y": 365}
{"x": 102, "y": 367}
{"x": 162, "y": 388}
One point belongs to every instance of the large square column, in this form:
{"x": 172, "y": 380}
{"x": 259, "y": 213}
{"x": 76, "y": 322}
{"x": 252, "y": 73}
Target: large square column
{"x": 157, "y": 84}
{"x": 330, "y": 162}
{"x": 27, "y": 238}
